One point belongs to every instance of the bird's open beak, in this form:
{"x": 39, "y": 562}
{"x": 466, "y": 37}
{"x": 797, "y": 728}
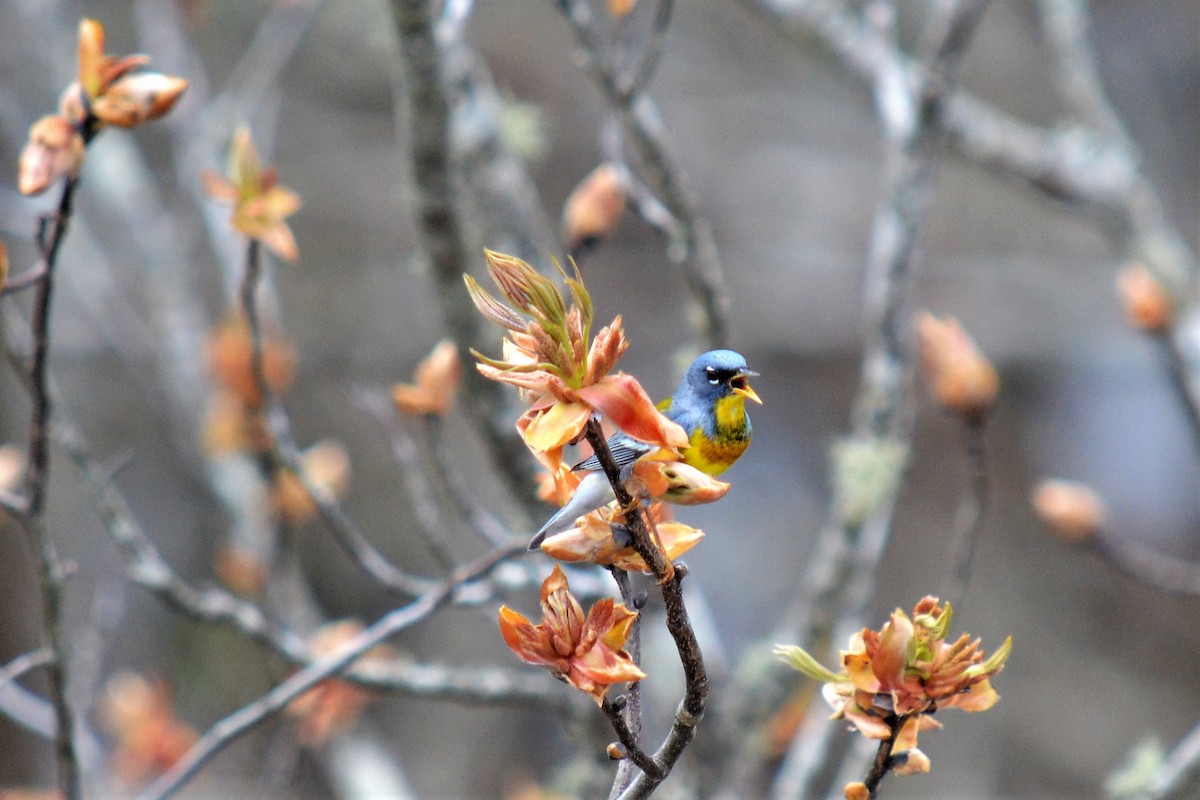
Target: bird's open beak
{"x": 740, "y": 386}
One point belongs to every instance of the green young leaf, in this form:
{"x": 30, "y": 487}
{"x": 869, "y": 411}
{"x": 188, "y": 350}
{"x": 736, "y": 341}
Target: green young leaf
{"x": 504, "y": 366}
{"x": 491, "y": 308}
{"x": 799, "y": 659}
{"x": 579, "y": 294}
{"x": 994, "y": 662}
{"x": 940, "y": 628}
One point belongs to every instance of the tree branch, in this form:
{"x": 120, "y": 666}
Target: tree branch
{"x": 911, "y": 105}
{"x": 440, "y": 230}
{"x": 972, "y": 513}
{"x": 669, "y": 577}
{"x": 224, "y": 732}
{"x": 50, "y": 571}
{"x": 285, "y": 453}
{"x": 695, "y": 247}
{"x": 25, "y": 662}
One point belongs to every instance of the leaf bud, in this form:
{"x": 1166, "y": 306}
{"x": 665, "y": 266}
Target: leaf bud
{"x": 1073, "y": 512}
{"x": 1148, "y": 304}
{"x": 856, "y": 791}
{"x": 956, "y": 373}
{"x": 594, "y": 207}
{"x": 54, "y": 150}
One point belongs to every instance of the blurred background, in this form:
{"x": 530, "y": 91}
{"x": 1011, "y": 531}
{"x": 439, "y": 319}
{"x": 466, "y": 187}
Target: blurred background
{"x": 781, "y": 147}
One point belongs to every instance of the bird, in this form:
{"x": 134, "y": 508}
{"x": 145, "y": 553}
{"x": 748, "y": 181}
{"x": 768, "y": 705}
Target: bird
{"x": 710, "y": 405}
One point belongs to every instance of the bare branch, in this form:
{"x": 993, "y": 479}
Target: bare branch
{"x": 239, "y": 722}
{"x": 440, "y": 229}
{"x": 696, "y": 248}
{"x": 1065, "y": 30}
{"x": 635, "y": 79}
{"x": 286, "y": 453}
{"x": 911, "y": 105}
{"x": 486, "y": 524}
{"x": 1159, "y": 570}
{"x": 972, "y": 512}
{"x": 211, "y": 604}
{"x": 37, "y": 477}
{"x": 24, "y": 663}
{"x": 627, "y": 720}
{"x": 629, "y": 741}
{"x": 670, "y": 578}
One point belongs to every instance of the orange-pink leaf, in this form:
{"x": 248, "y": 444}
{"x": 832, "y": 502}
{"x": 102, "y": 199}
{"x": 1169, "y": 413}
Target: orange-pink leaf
{"x": 623, "y": 400}
{"x": 555, "y": 426}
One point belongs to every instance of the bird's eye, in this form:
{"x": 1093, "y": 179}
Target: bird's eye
{"x": 711, "y": 374}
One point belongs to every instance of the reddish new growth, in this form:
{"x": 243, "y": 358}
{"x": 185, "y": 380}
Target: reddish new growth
{"x": 260, "y": 202}
{"x": 564, "y": 372}
{"x": 148, "y": 738}
{"x": 585, "y": 651}
{"x": 902, "y": 673}
{"x": 107, "y": 90}
{"x": 434, "y": 385}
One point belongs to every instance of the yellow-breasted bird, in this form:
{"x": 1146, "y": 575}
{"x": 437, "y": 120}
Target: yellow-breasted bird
{"x": 710, "y": 405}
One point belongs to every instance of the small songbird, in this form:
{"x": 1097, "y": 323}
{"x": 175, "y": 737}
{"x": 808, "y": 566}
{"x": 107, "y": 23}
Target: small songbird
{"x": 710, "y": 405}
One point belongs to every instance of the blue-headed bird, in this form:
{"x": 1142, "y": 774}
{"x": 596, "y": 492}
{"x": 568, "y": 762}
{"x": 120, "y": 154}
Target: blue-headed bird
{"x": 710, "y": 406}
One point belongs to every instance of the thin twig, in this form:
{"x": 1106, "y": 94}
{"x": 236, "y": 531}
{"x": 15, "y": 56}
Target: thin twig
{"x": 463, "y": 497}
{"x": 839, "y": 576}
{"x": 1064, "y": 163}
{"x": 634, "y": 80}
{"x": 972, "y": 513}
{"x": 629, "y": 741}
{"x": 669, "y": 577}
{"x": 37, "y": 477}
{"x": 884, "y": 762}
{"x": 696, "y": 248}
{"x": 25, "y": 662}
{"x": 427, "y": 512}
{"x": 466, "y": 501}
{"x": 1147, "y": 232}
{"x": 247, "y": 717}
{"x": 1065, "y": 29}
{"x": 1153, "y": 568}
{"x": 1182, "y": 379}
{"x": 212, "y": 604}
{"x": 440, "y": 231}
{"x": 27, "y": 280}
{"x": 13, "y": 505}
{"x": 286, "y": 454}
{"x": 500, "y": 197}
{"x": 352, "y": 540}
{"x": 629, "y": 717}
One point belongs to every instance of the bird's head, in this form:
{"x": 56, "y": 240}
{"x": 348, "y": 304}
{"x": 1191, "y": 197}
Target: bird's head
{"x": 720, "y": 373}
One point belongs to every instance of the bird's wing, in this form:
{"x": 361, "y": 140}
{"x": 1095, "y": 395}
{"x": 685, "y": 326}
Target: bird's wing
{"x": 593, "y": 492}
{"x": 625, "y": 450}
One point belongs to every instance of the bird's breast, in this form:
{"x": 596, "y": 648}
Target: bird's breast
{"x": 715, "y": 451}
{"x": 732, "y": 422}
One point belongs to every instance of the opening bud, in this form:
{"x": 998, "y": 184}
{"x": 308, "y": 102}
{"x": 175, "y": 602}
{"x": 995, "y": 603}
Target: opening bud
{"x": 1073, "y": 512}
{"x": 594, "y": 207}
{"x": 856, "y": 791}
{"x": 54, "y": 150}
{"x": 956, "y": 373}
{"x": 1148, "y": 304}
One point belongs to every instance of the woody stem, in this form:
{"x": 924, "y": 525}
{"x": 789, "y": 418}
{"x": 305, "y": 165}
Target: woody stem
{"x": 884, "y": 762}
{"x": 670, "y": 582}
{"x": 51, "y": 574}
{"x": 630, "y": 716}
